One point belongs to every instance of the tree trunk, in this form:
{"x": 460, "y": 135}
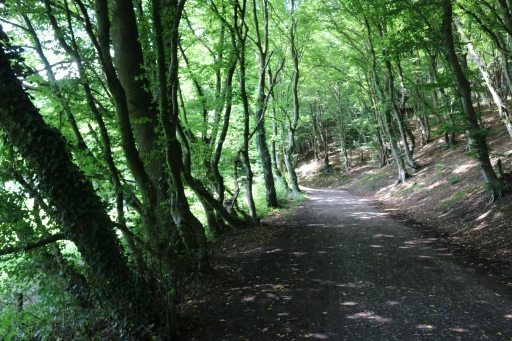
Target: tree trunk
{"x": 188, "y": 225}
{"x": 261, "y": 135}
{"x": 80, "y": 212}
{"x": 383, "y": 114}
{"x": 475, "y": 132}
{"x": 290, "y": 146}
{"x": 502, "y": 109}
{"x": 280, "y": 179}
{"x": 240, "y": 33}
{"x": 316, "y": 152}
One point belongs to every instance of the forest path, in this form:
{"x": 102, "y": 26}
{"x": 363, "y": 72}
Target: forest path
{"x": 339, "y": 269}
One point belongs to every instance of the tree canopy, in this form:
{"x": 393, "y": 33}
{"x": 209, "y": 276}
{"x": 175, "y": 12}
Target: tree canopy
{"x": 135, "y": 132}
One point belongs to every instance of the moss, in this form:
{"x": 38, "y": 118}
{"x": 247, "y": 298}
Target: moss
{"x": 440, "y": 170}
{"x": 461, "y": 195}
{"x": 413, "y": 187}
{"x": 370, "y": 180}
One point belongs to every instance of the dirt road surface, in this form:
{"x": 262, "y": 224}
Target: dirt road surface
{"x": 339, "y": 269}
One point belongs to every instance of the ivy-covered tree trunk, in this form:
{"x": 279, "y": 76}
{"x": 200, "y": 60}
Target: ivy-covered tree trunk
{"x": 78, "y": 210}
{"x": 475, "y": 132}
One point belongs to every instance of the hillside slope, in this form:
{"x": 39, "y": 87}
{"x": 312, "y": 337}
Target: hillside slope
{"x": 447, "y": 196}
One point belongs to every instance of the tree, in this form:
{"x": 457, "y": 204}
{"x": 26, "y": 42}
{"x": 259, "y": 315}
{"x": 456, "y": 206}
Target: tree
{"x": 475, "y": 132}
{"x": 79, "y": 212}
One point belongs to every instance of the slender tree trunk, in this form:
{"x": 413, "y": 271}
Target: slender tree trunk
{"x": 384, "y": 114}
{"x": 261, "y": 42}
{"x": 290, "y": 146}
{"x": 240, "y": 32}
{"x": 316, "y": 153}
{"x": 502, "y": 109}
{"x": 280, "y": 179}
{"x": 401, "y": 115}
{"x": 475, "y": 132}
{"x": 322, "y": 132}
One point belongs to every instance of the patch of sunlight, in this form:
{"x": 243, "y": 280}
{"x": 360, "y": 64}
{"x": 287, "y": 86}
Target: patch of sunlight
{"x": 376, "y": 246}
{"x": 380, "y": 235}
{"x": 479, "y": 227}
{"x": 275, "y": 250}
{"x": 316, "y": 336}
{"x": 425, "y": 326}
{"x": 258, "y": 249}
{"x": 248, "y": 299}
{"x": 299, "y": 253}
{"x": 424, "y": 257}
{"x": 459, "y": 330}
{"x": 420, "y": 241}
{"x": 508, "y": 316}
{"x": 327, "y": 282}
{"x": 310, "y": 225}
{"x": 483, "y": 215}
{"x": 392, "y": 303}
{"x": 368, "y": 315}
{"x": 359, "y": 284}
{"x": 434, "y": 185}
{"x": 367, "y": 215}
{"x": 349, "y": 304}
{"x": 463, "y": 168}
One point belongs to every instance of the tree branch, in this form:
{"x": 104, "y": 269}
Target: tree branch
{"x": 26, "y": 247}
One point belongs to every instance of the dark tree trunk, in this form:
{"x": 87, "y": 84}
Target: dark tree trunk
{"x": 239, "y": 42}
{"x": 261, "y": 43}
{"x": 290, "y": 147}
{"x": 279, "y": 178}
{"x": 475, "y": 132}
{"x": 78, "y": 210}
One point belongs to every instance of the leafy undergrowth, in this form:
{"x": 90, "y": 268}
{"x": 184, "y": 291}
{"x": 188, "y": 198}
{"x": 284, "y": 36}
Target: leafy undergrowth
{"x": 446, "y": 196}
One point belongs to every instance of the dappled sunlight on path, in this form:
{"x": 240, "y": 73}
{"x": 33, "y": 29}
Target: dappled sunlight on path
{"x": 342, "y": 270}
{"x": 379, "y": 280}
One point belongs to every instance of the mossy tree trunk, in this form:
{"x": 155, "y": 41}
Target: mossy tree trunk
{"x": 79, "y": 211}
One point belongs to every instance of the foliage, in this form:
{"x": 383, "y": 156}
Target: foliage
{"x": 156, "y": 116}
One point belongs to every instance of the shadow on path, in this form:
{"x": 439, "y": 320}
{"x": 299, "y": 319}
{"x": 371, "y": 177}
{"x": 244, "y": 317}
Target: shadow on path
{"x": 338, "y": 269}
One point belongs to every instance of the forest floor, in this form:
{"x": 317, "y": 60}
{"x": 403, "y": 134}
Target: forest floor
{"x": 428, "y": 259}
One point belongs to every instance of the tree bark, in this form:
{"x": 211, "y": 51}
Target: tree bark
{"x": 290, "y": 146}
{"x": 384, "y": 114}
{"x": 502, "y": 109}
{"x": 475, "y": 132}
{"x": 78, "y": 210}
{"x": 261, "y": 42}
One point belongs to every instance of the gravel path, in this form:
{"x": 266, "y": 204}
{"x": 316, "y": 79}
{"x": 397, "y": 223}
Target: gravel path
{"x": 387, "y": 282}
{"x": 341, "y": 270}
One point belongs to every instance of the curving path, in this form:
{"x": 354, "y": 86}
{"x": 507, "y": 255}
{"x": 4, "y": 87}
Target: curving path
{"x": 339, "y": 269}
